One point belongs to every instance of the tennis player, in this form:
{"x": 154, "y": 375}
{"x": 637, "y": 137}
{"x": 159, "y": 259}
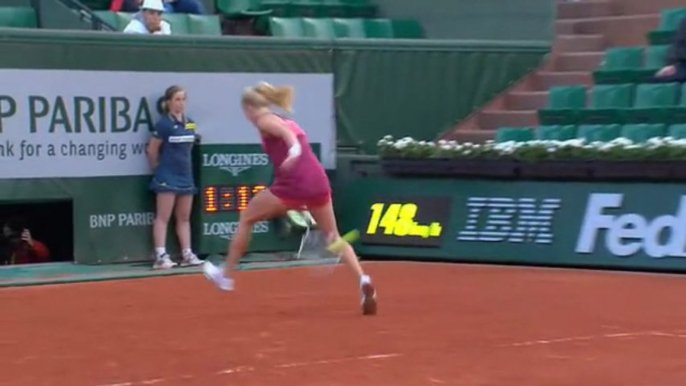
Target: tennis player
{"x": 300, "y": 182}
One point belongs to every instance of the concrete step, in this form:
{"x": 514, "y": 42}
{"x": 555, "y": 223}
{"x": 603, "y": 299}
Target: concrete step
{"x": 526, "y": 100}
{"x": 619, "y": 31}
{"x": 579, "y": 61}
{"x": 565, "y": 27}
{"x": 585, "y": 9}
{"x": 544, "y": 80}
{"x": 494, "y": 119}
{"x": 474, "y": 136}
{"x": 579, "y": 43}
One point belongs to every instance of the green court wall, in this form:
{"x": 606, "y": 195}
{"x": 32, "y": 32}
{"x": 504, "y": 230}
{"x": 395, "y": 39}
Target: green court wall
{"x": 403, "y": 88}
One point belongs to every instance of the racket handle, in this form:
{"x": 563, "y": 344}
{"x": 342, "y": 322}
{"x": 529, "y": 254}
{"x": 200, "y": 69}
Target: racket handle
{"x": 338, "y": 245}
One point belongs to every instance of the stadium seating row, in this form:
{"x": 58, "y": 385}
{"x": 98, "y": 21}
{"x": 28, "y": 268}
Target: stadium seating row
{"x": 301, "y": 8}
{"x": 631, "y": 65}
{"x": 18, "y": 17}
{"x": 325, "y": 28}
{"x": 669, "y": 22}
{"x": 621, "y": 103}
{"x": 181, "y": 23}
{"x": 592, "y": 133}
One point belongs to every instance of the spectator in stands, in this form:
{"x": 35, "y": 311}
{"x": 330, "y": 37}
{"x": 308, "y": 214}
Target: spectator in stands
{"x": 19, "y": 247}
{"x": 149, "y": 20}
{"x": 129, "y": 6}
{"x": 184, "y": 6}
{"x": 675, "y": 71}
{"x": 170, "y": 6}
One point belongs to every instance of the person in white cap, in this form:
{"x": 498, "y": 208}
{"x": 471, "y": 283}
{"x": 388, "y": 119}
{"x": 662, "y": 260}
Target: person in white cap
{"x": 149, "y": 20}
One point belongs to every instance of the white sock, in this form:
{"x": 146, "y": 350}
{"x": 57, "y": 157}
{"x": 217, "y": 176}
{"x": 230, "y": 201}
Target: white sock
{"x": 186, "y": 252}
{"x": 365, "y": 279}
{"x": 160, "y": 251}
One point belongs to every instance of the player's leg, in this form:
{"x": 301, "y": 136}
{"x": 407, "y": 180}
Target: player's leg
{"x": 326, "y": 222}
{"x": 164, "y": 206}
{"x": 182, "y": 218}
{"x": 264, "y": 206}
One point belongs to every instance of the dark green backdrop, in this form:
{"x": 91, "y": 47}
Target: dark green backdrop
{"x": 413, "y": 88}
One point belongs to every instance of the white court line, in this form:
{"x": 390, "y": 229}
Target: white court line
{"x": 244, "y": 369}
{"x": 569, "y": 339}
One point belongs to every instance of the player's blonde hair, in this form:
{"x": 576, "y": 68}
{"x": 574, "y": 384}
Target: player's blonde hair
{"x": 265, "y": 95}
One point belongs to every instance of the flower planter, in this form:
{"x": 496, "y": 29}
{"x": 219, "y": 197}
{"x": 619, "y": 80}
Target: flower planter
{"x": 555, "y": 170}
{"x": 504, "y": 168}
{"x": 678, "y": 170}
{"x": 632, "y": 170}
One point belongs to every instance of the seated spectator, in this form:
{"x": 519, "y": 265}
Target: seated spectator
{"x": 149, "y": 20}
{"x": 184, "y": 6}
{"x": 170, "y": 6}
{"x": 675, "y": 71}
{"x": 129, "y": 6}
{"x": 19, "y": 247}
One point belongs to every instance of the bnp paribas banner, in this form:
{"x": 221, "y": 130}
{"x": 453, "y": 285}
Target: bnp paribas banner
{"x": 59, "y": 123}
{"x": 638, "y": 226}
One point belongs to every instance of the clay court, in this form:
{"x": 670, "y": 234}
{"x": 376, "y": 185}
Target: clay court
{"x": 438, "y": 324}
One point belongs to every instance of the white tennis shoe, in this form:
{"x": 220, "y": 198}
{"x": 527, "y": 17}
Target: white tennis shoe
{"x": 216, "y": 276}
{"x": 164, "y": 262}
{"x": 190, "y": 260}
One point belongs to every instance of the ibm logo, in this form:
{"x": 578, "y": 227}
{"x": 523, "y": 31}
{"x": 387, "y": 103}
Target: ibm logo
{"x": 513, "y": 220}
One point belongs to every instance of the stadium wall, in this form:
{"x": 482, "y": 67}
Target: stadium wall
{"x": 574, "y": 224}
{"x": 442, "y": 81}
{"x": 479, "y": 20}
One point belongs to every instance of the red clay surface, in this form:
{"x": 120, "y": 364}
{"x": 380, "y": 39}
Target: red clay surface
{"x": 437, "y": 325}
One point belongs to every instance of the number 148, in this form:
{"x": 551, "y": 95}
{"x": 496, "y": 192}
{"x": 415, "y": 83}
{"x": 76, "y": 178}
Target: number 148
{"x": 396, "y": 219}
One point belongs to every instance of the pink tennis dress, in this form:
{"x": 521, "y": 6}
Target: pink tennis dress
{"x": 303, "y": 185}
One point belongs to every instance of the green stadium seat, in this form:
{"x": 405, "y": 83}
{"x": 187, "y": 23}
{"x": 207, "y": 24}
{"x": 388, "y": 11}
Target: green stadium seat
{"x": 241, "y": 8}
{"x": 18, "y": 17}
{"x": 669, "y": 22}
{"x": 118, "y": 20}
{"x": 677, "y": 114}
{"x": 642, "y": 132}
{"x": 319, "y": 28}
{"x": 286, "y": 27}
{"x": 620, "y": 66}
{"x": 204, "y": 25}
{"x": 607, "y": 104}
{"x": 517, "y": 134}
{"x": 307, "y": 8}
{"x": 378, "y": 28}
{"x": 337, "y": 8}
{"x": 599, "y": 133}
{"x": 556, "y": 132}
{"x": 564, "y": 104}
{"x": 677, "y": 131}
{"x": 656, "y": 57}
{"x": 179, "y": 23}
{"x": 407, "y": 29}
{"x": 349, "y": 28}
{"x": 652, "y": 103}
{"x": 359, "y": 8}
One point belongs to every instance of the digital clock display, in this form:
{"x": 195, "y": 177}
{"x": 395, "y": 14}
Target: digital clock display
{"x": 407, "y": 221}
{"x": 229, "y": 198}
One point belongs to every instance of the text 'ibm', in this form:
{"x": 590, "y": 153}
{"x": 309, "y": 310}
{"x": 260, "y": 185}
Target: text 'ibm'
{"x": 514, "y": 220}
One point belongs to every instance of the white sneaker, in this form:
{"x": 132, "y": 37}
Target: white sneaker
{"x": 190, "y": 260}
{"x": 164, "y": 262}
{"x": 216, "y": 276}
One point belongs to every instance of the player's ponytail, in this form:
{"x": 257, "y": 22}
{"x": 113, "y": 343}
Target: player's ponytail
{"x": 265, "y": 94}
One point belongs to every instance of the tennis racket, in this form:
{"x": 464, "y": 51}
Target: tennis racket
{"x": 322, "y": 256}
